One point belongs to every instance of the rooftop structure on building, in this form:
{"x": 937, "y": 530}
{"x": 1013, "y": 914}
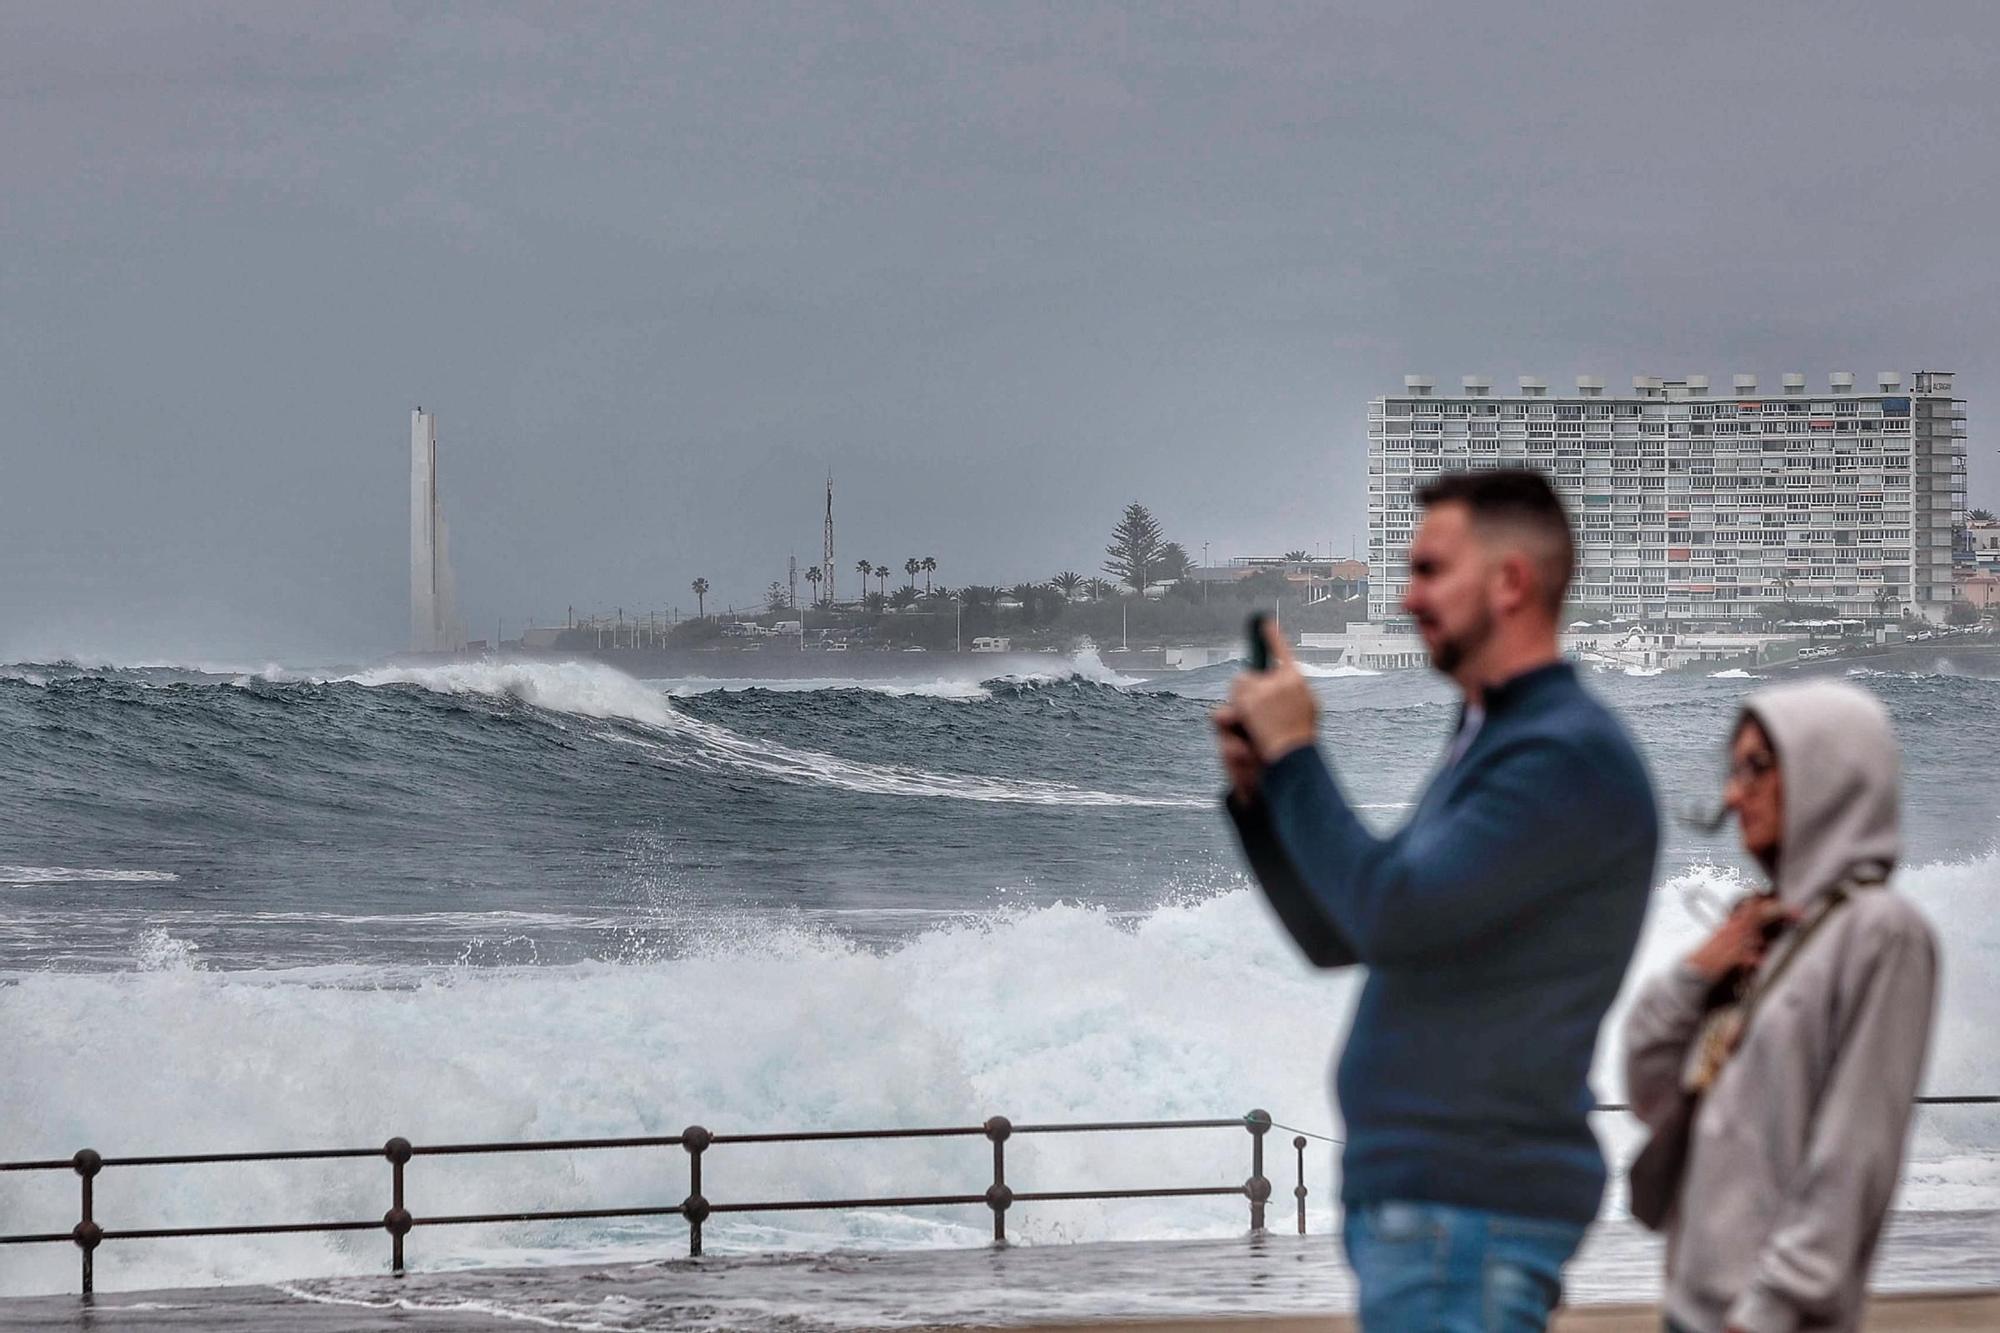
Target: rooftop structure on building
{"x": 1694, "y": 506}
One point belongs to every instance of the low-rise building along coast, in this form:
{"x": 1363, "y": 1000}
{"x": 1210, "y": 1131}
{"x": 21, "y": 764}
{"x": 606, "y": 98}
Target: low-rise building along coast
{"x": 1694, "y": 508}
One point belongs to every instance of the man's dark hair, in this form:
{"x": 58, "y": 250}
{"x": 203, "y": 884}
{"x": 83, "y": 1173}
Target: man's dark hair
{"x": 1519, "y": 501}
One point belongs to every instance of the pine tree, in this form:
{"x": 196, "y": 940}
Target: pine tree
{"x": 1134, "y": 553}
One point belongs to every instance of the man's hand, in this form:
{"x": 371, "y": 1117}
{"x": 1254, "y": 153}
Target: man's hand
{"x": 1239, "y": 757}
{"x": 1276, "y": 707}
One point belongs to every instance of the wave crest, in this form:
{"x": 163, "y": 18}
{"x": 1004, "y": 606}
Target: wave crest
{"x": 678, "y": 738}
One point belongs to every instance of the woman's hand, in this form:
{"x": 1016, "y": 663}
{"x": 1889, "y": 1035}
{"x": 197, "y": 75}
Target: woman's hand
{"x": 1741, "y": 939}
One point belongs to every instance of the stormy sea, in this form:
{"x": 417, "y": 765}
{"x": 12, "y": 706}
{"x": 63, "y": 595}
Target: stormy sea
{"x": 245, "y": 907}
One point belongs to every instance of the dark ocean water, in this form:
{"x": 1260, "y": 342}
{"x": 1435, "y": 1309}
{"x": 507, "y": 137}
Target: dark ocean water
{"x": 550, "y": 813}
{"x": 538, "y": 900}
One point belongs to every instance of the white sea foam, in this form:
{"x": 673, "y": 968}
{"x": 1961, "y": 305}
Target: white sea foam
{"x": 679, "y": 739}
{"x": 1067, "y": 1012}
{"x": 1339, "y": 672}
{"x": 159, "y": 951}
{"x": 80, "y": 874}
{"x": 1085, "y": 665}
{"x": 585, "y": 689}
{"x": 941, "y": 688}
{"x": 1061, "y": 1013}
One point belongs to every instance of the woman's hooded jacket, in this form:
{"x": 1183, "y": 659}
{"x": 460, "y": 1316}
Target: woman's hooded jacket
{"x": 1798, "y": 1146}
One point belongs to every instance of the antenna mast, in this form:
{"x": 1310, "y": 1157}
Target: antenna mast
{"x": 826, "y": 565}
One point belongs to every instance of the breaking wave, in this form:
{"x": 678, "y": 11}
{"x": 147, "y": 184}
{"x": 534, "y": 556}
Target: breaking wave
{"x": 1197, "y": 1008}
{"x": 680, "y": 739}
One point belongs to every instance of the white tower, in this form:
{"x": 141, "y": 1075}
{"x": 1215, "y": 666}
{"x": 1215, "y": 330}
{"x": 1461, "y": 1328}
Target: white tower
{"x": 432, "y": 627}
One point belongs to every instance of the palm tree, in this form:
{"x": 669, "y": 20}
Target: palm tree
{"x": 882, "y": 579}
{"x": 700, "y": 587}
{"x": 864, "y": 569}
{"x": 1098, "y": 588}
{"x": 813, "y": 576}
{"x": 930, "y": 568}
{"x": 913, "y": 567}
{"x": 1297, "y": 557}
{"x": 1067, "y": 584}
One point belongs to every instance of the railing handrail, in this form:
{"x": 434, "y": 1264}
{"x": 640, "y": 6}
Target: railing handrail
{"x": 695, "y": 1141}
{"x": 696, "y": 1208}
{"x": 629, "y": 1141}
{"x": 1949, "y": 1099}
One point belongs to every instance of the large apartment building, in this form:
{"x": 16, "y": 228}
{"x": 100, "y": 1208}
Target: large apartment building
{"x": 1696, "y": 508}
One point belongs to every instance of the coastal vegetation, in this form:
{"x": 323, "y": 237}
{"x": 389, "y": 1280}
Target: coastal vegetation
{"x": 1153, "y": 596}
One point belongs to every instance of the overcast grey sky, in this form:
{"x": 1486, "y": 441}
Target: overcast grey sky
{"x": 1002, "y": 267}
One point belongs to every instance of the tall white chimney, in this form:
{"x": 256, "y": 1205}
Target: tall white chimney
{"x": 432, "y": 629}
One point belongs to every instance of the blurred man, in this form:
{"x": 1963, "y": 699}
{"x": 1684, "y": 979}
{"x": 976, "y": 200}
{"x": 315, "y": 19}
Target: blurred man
{"x": 1495, "y": 925}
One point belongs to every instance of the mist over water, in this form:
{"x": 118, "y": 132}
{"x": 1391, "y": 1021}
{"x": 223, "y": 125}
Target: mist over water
{"x": 274, "y": 909}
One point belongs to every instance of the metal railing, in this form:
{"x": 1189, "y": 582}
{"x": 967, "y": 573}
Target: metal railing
{"x": 695, "y": 1141}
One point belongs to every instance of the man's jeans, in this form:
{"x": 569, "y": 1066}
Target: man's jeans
{"x": 1433, "y": 1268}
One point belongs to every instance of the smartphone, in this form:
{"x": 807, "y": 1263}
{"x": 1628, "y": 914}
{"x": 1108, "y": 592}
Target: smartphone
{"x": 1258, "y": 658}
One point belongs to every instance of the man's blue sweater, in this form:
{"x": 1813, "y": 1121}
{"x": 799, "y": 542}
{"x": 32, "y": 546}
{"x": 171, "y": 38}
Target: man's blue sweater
{"x": 1495, "y": 925}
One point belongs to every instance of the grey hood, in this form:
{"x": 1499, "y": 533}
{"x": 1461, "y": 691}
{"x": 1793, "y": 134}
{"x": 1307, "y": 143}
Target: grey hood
{"x": 1841, "y": 772}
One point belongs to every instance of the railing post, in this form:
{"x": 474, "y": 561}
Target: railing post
{"x": 87, "y": 1233}
{"x": 1257, "y": 1188}
{"x": 397, "y": 1220}
{"x": 998, "y": 1197}
{"x": 1299, "y": 1190}
{"x": 695, "y": 1207}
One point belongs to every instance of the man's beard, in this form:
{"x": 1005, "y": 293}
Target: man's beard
{"x": 1451, "y": 652}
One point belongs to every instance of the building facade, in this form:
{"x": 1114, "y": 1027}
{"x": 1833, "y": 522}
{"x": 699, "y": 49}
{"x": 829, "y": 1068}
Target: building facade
{"x": 1312, "y": 580}
{"x": 1696, "y": 508}
{"x": 1981, "y": 549}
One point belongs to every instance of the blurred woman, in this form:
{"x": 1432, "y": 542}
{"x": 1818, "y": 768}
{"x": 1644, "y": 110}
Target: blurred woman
{"x": 1784, "y": 1052}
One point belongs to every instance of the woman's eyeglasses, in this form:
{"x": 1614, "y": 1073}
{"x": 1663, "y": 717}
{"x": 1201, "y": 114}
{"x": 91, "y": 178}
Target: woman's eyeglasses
{"x": 1703, "y": 818}
{"x": 1752, "y": 766}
